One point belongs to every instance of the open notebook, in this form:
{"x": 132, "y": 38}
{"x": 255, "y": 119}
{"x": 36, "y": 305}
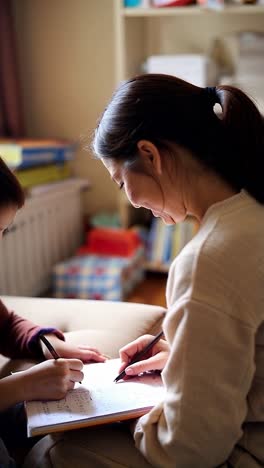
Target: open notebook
{"x": 98, "y": 400}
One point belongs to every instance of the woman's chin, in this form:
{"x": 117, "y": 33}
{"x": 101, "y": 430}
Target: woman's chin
{"x": 167, "y": 220}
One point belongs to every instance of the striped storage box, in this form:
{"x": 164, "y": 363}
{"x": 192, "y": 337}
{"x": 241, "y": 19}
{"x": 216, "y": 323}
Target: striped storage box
{"x": 98, "y": 277}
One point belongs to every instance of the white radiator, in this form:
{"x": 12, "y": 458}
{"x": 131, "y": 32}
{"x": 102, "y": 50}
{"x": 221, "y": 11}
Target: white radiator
{"x": 46, "y": 230}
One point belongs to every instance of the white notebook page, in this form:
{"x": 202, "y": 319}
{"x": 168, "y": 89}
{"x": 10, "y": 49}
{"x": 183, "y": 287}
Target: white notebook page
{"x": 96, "y": 397}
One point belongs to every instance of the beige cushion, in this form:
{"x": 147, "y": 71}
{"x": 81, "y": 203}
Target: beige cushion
{"x": 102, "y": 324}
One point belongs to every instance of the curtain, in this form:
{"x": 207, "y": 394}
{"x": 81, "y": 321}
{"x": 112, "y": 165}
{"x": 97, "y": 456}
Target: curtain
{"x": 11, "y": 115}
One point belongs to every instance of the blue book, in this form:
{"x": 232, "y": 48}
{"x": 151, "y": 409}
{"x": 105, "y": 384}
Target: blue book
{"x": 28, "y": 153}
{"x": 151, "y": 239}
{"x": 167, "y": 244}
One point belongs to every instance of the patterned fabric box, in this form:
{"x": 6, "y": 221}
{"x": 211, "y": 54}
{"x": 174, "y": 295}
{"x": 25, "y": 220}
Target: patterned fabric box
{"x": 98, "y": 277}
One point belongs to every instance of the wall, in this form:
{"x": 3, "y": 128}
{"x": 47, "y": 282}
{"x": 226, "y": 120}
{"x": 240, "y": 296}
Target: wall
{"x": 66, "y": 53}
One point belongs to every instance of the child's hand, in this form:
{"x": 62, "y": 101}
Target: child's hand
{"x": 49, "y": 380}
{"x": 155, "y": 359}
{"x": 67, "y": 350}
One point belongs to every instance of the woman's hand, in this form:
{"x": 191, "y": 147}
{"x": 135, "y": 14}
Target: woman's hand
{"x": 67, "y": 350}
{"x": 155, "y": 359}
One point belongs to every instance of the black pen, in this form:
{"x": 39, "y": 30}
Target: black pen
{"x": 49, "y": 346}
{"x": 140, "y": 354}
{"x": 52, "y": 351}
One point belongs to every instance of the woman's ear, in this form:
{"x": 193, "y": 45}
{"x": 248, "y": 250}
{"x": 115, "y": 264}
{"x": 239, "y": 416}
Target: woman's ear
{"x": 150, "y": 155}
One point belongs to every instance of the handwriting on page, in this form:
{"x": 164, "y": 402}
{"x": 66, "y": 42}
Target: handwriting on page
{"x": 76, "y": 405}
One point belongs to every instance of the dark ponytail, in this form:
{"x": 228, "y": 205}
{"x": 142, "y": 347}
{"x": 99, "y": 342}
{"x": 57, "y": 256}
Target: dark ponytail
{"x": 164, "y": 109}
{"x": 11, "y": 192}
{"x": 244, "y": 126}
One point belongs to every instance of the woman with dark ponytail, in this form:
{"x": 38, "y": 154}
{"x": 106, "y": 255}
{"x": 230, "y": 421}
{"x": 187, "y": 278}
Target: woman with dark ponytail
{"x": 162, "y": 141}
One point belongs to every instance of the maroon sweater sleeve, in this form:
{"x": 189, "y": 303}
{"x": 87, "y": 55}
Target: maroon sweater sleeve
{"x": 19, "y": 336}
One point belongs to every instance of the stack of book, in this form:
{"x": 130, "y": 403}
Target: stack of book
{"x": 38, "y": 162}
{"x": 166, "y": 241}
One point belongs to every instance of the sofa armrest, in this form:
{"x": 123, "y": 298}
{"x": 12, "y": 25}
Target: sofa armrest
{"x": 102, "y": 324}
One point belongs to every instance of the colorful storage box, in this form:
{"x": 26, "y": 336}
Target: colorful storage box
{"x": 98, "y": 277}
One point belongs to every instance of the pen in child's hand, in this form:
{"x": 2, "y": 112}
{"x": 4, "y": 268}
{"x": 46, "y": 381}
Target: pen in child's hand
{"x": 52, "y": 351}
{"x": 49, "y": 346}
{"x": 140, "y": 354}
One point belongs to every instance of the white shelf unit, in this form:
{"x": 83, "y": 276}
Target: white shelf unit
{"x": 141, "y": 32}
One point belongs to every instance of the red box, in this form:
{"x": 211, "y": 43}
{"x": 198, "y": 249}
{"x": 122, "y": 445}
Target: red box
{"x": 111, "y": 241}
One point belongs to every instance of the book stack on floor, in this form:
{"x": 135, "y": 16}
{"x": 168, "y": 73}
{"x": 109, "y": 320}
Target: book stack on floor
{"x": 107, "y": 267}
{"x": 166, "y": 241}
{"x": 38, "y": 163}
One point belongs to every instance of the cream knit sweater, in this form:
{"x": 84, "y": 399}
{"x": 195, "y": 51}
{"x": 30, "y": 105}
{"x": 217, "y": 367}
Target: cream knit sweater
{"x": 214, "y": 405}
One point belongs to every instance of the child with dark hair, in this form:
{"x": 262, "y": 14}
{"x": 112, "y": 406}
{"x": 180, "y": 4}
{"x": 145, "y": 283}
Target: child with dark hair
{"x": 163, "y": 143}
{"x": 19, "y": 338}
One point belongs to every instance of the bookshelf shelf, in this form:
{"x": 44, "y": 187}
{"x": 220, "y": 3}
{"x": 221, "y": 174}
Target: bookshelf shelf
{"x": 158, "y": 12}
{"x": 191, "y": 10}
{"x": 158, "y": 267}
